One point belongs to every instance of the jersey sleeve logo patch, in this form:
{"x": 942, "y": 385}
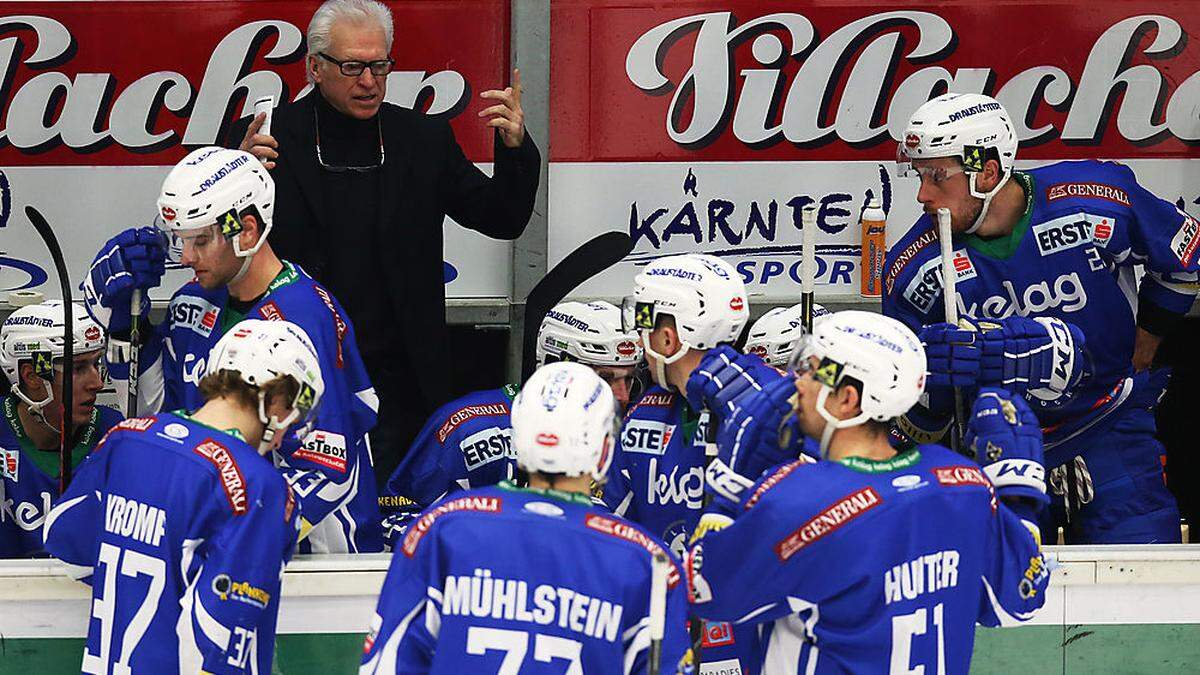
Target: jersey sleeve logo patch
{"x": 963, "y": 476}
{"x": 138, "y": 424}
{"x": 1184, "y": 243}
{"x": 461, "y": 415}
{"x": 717, "y": 634}
{"x": 419, "y": 529}
{"x": 646, "y": 437}
{"x": 1067, "y": 232}
{"x": 194, "y": 313}
{"x": 10, "y": 463}
{"x": 1087, "y": 191}
{"x": 231, "y": 474}
{"x": 622, "y": 530}
{"x": 828, "y": 521}
{"x": 271, "y": 312}
{"x": 487, "y": 446}
{"x": 325, "y": 448}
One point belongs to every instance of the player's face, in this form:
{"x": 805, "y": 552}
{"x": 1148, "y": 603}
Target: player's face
{"x": 87, "y": 381}
{"x": 620, "y": 379}
{"x": 807, "y": 390}
{"x": 358, "y": 97}
{"x": 945, "y": 185}
{"x": 210, "y": 256}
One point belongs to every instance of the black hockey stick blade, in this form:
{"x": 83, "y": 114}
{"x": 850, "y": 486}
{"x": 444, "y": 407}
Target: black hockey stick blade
{"x": 585, "y": 262}
{"x": 68, "y": 390}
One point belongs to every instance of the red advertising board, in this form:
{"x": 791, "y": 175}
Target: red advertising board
{"x": 130, "y": 83}
{"x": 749, "y": 80}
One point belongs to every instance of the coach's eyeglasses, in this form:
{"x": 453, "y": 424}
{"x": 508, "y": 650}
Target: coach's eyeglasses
{"x": 337, "y": 169}
{"x": 355, "y": 68}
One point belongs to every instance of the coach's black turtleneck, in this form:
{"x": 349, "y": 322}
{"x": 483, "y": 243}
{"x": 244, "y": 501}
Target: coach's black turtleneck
{"x": 354, "y": 270}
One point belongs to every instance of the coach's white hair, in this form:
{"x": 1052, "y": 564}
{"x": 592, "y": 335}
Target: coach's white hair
{"x": 355, "y": 11}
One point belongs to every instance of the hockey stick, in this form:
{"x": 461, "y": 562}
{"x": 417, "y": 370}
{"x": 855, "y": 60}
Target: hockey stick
{"x": 582, "y": 264}
{"x": 68, "y": 389}
{"x": 659, "y": 567}
{"x": 808, "y": 265}
{"x": 131, "y": 390}
{"x": 950, "y": 304}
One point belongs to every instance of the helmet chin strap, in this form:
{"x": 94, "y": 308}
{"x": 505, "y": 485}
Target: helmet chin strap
{"x": 35, "y": 407}
{"x": 273, "y": 424}
{"x": 659, "y": 372}
{"x": 985, "y": 196}
{"x": 832, "y": 423}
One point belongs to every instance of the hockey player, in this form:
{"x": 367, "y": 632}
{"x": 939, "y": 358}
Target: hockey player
{"x": 31, "y": 352}
{"x": 216, "y": 207}
{"x": 688, "y": 310}
{"x": 1044, "y": 257}
{"x": 180, "y": 523}
{"x": 774, "y": 335}
{"x": 535, "y": 580}
{"x": 468, "y": 442}
{"x": 873, "y": 561}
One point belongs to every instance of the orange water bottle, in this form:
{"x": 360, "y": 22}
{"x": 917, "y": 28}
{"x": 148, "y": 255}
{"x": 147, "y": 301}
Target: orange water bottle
{"x": 874, "y": 246}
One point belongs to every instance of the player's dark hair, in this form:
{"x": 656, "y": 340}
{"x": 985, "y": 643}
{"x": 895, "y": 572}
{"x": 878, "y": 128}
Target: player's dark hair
{"x": 873, "y": 426}
{"x": 229, "y": 384}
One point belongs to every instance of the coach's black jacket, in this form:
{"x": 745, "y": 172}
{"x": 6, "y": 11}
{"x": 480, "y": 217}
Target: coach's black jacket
{"x": 426, "y": 177}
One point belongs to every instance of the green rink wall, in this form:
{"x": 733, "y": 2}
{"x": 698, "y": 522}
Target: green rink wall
{"x": 1144, "y": 649}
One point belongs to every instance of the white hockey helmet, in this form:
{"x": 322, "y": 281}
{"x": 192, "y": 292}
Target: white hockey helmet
{"x": 215, "y": 188}
{"x": 704, "y": 295}
{"x": 34, "y": 333}
{"x": 970, "y": 127}
{"x": 775, "y": 334}
{"x": 260, "y": 351}
{"x": 878, "y": 352}
{"x": 564, "y": 422}
{"x": 586, "y": 332}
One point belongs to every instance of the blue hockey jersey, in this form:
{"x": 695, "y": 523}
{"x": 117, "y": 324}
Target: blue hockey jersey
{"x": 657, "y": 474}
{"x": 30, "y": 477}
{"x": 185, "y": 568}
{"x": 331, "y": 473}
{"x": 503, "y": 579}
{"x": 466, "y": 443}
{"x": 861, "y": 566}
{"x": 657, "y": 481}
{"x": 1072, "y": 257}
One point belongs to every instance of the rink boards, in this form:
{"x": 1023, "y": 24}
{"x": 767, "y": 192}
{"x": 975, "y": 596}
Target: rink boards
{"x": 1110, "y": 609}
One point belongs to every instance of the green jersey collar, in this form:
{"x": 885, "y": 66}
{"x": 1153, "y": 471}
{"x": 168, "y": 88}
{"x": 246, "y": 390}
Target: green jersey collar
{"x": 903, "y": 460}
{"x": 561, "y": 495}
{"x": 47, "y": 460}
{"x": 232, "y": 431}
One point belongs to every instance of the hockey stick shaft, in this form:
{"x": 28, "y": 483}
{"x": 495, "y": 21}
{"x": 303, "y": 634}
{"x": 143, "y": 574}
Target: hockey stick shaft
{"x": 660, "y": 566}
{"x": 808, "y": 265}
{"x": 950, "y": 304}
{"x": 585, "y": 262}
{"x": 131, "y": 393}
{"x": 67, "y": 429}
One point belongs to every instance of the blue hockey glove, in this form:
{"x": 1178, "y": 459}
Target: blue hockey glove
{"x": 1042, "y": 357}
{"x": 750, "y": 442}
{"x": 724, "y": 376}
{"x": 951, "y": 354}
{"x": 135, "y": 258}
{"x": 1007, "y": 442}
